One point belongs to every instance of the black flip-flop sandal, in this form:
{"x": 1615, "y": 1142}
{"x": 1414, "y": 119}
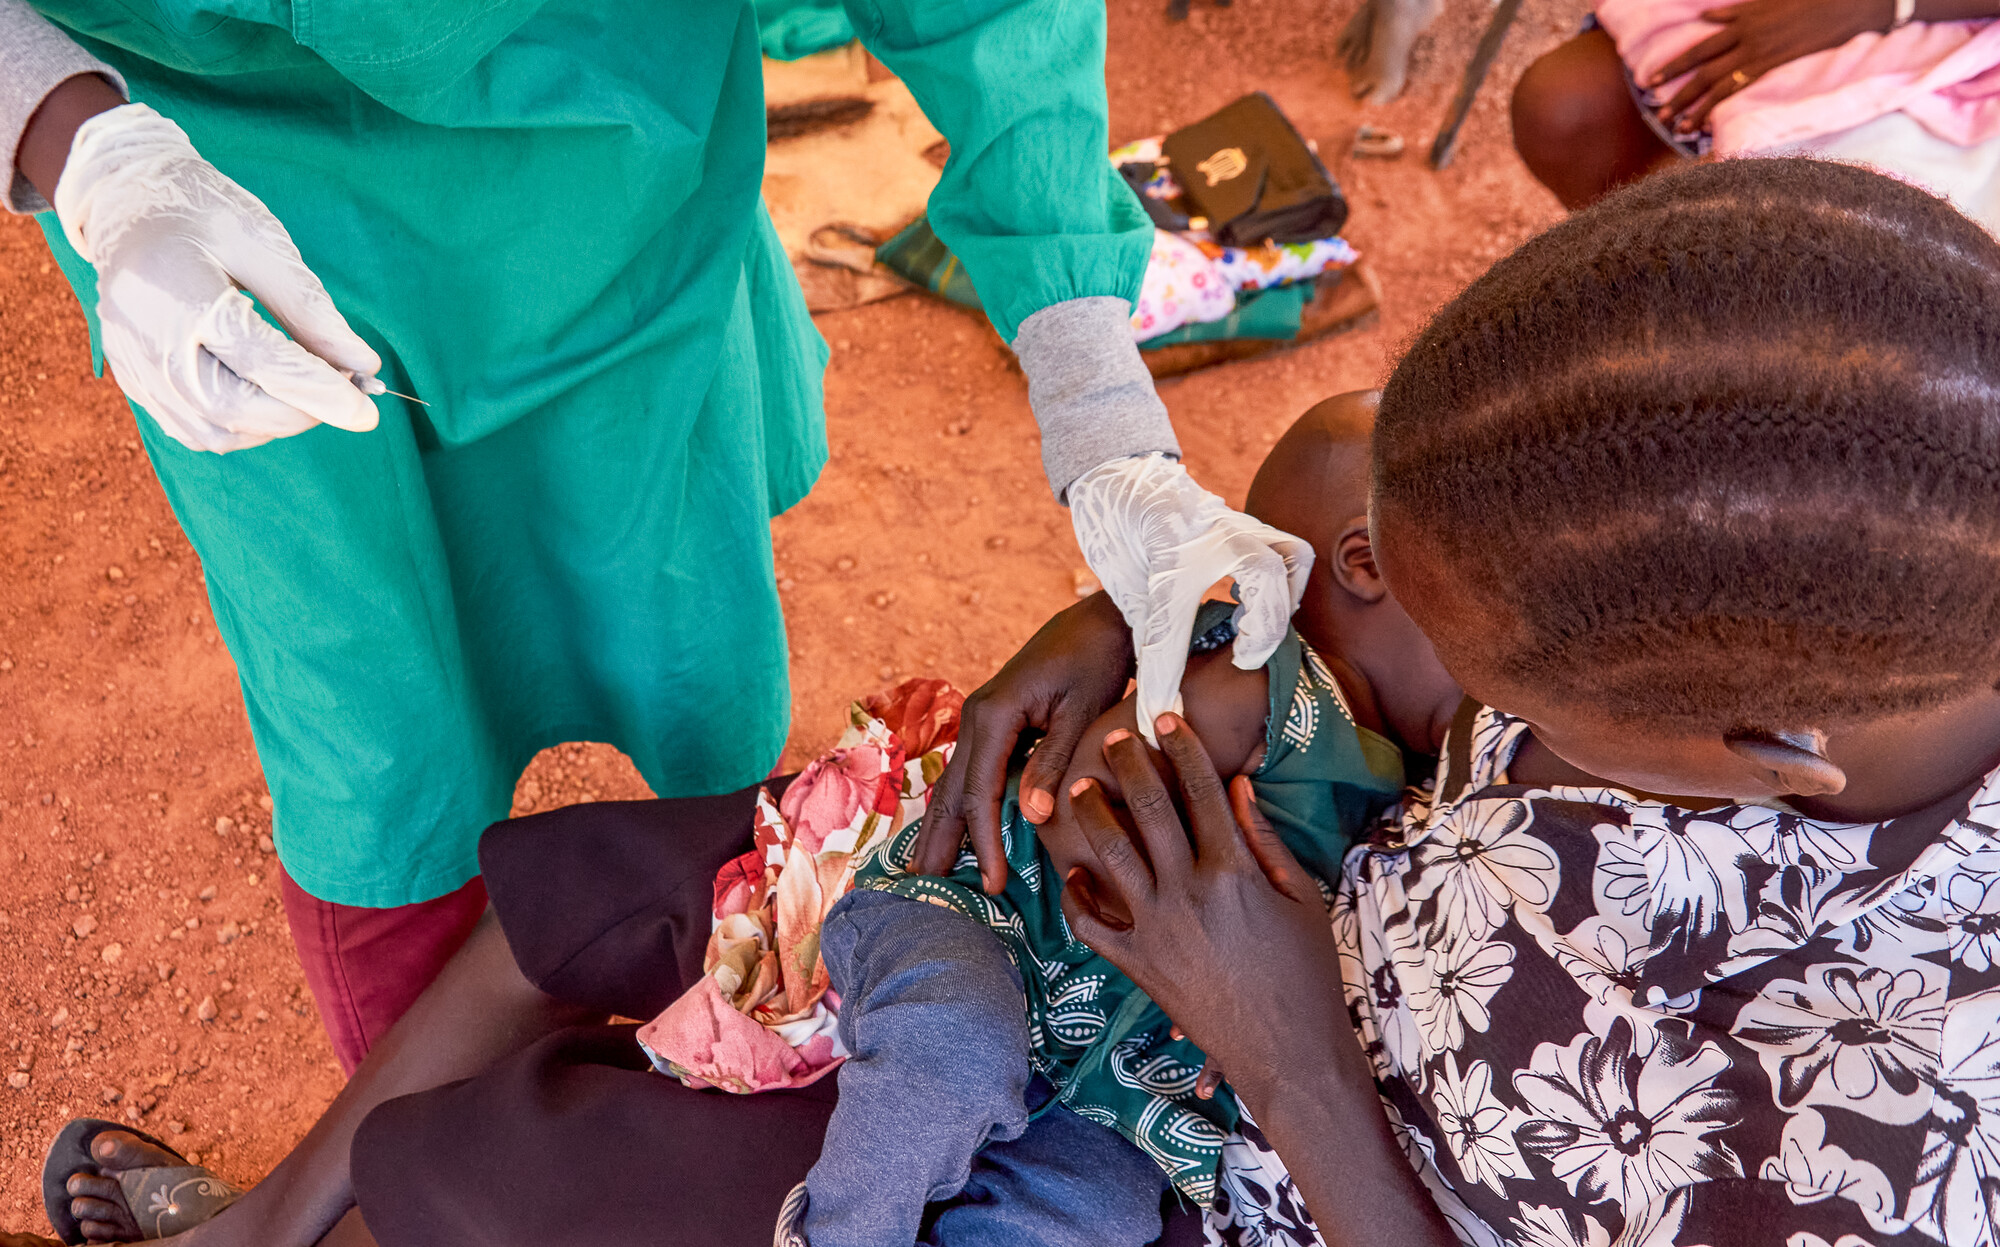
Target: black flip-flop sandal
{"x": 163, "y": 1199}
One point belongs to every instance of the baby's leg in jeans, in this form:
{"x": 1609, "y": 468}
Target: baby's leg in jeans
{"x": 1066, "y": 1182}
{"x": 932, "y": 1010}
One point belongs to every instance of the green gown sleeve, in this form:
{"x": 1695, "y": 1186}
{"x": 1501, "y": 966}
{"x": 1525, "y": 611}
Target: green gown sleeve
{"x": 1028, "y": 202}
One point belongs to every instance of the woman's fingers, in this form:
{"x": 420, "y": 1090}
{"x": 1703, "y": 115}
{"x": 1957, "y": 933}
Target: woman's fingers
{"x": 1700, "y": 54}
{"x": 1124, "y": 867}
{"x": 1206, "y": 1085}
{"x": 1050, "y": 761}
{"x": 1703, "y": 80}
{"x": 966, "y": 800}
{"x": 1740, "y": 75}
{"x": 1091, "y": 901}
{"x": 1280, "y": 867}
{"x": 1089, "y": 921}
{"x": 1707, "y": 86}
{"x": 1215, "y": 835}
{"x": 1150, "y": 803}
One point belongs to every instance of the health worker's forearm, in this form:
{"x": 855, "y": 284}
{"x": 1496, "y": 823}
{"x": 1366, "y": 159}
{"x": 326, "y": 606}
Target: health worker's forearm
{"x": 45, "y": 144}
{"x": 48, "y": 87}
{"x": 1091, "y": 393}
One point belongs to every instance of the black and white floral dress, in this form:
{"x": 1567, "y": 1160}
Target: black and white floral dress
{"x": 1601, "y": 1021}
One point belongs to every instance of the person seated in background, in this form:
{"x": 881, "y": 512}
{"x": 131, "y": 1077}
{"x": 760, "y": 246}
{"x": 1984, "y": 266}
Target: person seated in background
{"x": 1091, "y": 1098}
{"x": 1908, "y": 87}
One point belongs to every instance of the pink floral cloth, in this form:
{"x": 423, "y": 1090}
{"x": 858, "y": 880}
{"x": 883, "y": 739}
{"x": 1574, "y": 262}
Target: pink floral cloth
{"x": 1944, "y": 75}
{"x": 761, "y": 1017}
{"x": 1182, "y": 287}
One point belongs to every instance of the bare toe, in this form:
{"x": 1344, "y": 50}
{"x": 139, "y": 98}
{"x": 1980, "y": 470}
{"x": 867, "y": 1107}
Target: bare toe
{"x": 96, "y": 1199}
{"x": 117, "y": 1150}
{"x": 92, "y": 1186}
{"x": 103, "y": 1221}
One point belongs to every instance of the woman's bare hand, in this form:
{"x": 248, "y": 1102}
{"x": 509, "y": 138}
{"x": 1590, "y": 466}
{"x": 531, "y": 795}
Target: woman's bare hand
{"x": 1070, "y": 672}
{"x": 1228, "y": 933}
{"x": 1757, "y": 37}
{"x": 1230, "y": 936}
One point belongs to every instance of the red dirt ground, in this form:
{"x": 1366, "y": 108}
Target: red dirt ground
{"x": 138, "y": 883}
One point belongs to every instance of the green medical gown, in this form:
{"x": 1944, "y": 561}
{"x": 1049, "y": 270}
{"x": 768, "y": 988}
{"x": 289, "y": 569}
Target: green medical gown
{"x": 545, "y": 216}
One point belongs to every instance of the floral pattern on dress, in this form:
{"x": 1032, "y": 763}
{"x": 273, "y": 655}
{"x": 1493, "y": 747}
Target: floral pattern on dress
{"x": 1598, "y": 1021}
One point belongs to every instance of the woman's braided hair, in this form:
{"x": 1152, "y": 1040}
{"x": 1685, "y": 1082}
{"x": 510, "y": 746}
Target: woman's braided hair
{"x": 1725, "y": 446}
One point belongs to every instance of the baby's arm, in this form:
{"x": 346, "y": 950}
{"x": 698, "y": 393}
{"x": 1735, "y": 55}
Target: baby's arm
{"x": 1227, "y": 707}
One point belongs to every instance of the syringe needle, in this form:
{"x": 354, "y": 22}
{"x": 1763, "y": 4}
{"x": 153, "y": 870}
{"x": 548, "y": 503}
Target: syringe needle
{"x": 373, "y": 386}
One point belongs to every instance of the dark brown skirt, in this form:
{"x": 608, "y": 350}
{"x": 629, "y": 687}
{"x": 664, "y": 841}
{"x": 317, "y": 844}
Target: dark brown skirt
{"x": 576, "y": 1140}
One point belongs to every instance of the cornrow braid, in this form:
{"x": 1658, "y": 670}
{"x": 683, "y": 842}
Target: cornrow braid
{"x": 1725, "y": 446}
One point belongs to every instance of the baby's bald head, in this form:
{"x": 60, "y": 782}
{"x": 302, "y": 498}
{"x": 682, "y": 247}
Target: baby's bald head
{"x": 1316, "y": 478}
{"x": 1315, "y": 485}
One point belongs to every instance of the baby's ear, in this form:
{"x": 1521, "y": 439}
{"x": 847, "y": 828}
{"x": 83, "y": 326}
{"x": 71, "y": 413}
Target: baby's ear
{"x": 1353, "y": 563}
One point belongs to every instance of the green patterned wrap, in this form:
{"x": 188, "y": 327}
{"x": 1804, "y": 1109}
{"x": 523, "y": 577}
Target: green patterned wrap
{"x": 1092, "y": 1032}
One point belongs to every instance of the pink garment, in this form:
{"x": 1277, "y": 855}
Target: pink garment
{"x": 715, "y": 1045}
{"x": 762, "y": 1016}
{"x": 1944, "y": 75}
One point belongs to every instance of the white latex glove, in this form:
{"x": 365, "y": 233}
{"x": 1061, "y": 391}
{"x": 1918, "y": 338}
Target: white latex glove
{"x": 1157, "y": 541}
{"x": 176, "y": 244}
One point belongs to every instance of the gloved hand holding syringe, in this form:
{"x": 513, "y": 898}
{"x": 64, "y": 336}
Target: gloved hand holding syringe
{"x": 177, "y": 245}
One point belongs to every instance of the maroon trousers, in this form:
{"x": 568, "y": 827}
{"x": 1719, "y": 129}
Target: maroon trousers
{"x": 366, "y": 967}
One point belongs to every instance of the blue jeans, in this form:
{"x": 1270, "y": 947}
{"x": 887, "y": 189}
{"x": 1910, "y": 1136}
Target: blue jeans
{"x": 935, "y": 1102}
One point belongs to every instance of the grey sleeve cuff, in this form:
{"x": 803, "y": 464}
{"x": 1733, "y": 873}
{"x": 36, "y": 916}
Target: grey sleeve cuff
{"x": 35, "y": 59}
{"x": 1091, "y": 393}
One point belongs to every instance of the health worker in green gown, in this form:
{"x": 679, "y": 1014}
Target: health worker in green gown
{"x": 542, "y": 218}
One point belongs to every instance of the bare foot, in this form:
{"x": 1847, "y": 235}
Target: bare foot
{"x": 98, "y": 1201}
{"x": 1376, "y": 45}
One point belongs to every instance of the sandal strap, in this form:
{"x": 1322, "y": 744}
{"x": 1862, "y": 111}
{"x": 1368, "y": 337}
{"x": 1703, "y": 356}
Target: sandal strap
{"x": 171, "y": 1199}
{"x": 792, "y": 1220}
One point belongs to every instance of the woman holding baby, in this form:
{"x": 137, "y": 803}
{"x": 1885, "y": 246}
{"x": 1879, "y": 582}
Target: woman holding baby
{"x": 1690, "y": 939}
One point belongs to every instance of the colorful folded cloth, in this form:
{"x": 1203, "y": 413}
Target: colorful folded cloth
{"x": 1183, "y": 286}
{"x": 1193, "y": 280}
{"x": 761, "y": 1017}
{"x": 1278, "y": 264}
{"x": 1190, "y": 278}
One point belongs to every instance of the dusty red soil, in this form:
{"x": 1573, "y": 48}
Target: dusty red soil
{"x": 138, "y": 883}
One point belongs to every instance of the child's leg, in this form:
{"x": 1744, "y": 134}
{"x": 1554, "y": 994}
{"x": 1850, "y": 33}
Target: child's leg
{"x": 932, "y": 1010}
{"x": 1066, "y": 1182}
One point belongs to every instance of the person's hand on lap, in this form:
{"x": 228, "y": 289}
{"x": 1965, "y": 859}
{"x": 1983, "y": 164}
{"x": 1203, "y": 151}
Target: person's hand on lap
{"x": 1757, "y": 37}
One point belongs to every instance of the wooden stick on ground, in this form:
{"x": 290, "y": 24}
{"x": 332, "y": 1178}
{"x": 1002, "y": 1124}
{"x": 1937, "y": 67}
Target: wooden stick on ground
{"x": 1475, "y": 74}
